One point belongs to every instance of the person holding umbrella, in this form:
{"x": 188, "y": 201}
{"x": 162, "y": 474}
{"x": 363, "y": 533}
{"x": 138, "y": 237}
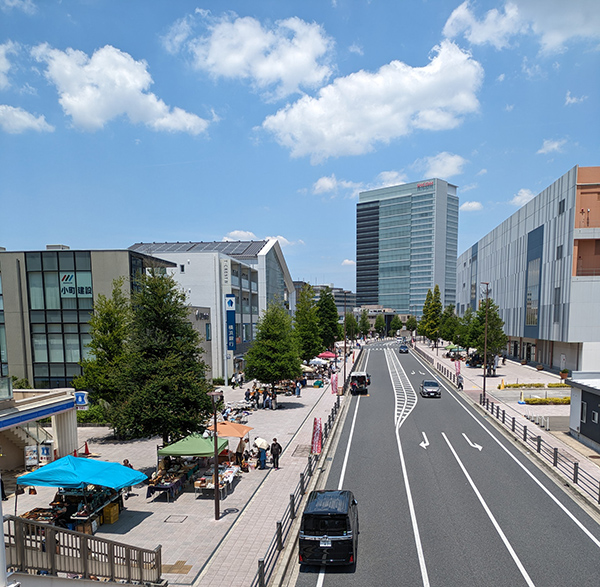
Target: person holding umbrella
{"x": 262, "y": 445}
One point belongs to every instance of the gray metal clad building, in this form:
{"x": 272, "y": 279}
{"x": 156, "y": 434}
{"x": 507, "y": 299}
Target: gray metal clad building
{"x": 406, "y": 243}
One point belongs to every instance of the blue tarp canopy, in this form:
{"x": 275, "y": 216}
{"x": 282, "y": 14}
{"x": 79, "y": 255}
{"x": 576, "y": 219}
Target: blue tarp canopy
{"x": 77, "y": 472}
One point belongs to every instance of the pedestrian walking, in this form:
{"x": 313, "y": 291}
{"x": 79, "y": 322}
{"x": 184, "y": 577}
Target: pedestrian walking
{"x": 239, "y": 451}
{"x": 261, "y": 445}
{"x": 459, "y": 382}
{"x": 127, "y": 464}
{"x": 276, "y": 452}
{"x": 298, "y": 388}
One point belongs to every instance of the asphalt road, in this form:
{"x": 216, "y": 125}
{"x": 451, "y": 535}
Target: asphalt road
{"x": 444, "y": 499}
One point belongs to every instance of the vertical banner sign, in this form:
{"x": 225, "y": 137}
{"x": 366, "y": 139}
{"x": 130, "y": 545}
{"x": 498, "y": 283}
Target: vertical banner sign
{"x": 457, "y": 367}
{"x": 230, "y": 321}
{"x": 334, "y": 383}
{"x": 317, "y": 437}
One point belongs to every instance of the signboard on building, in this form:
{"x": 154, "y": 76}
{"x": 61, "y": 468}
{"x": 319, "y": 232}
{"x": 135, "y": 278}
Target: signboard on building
{"x": 31, "y": 455}
{"x": 230, "y": 321}
{"x": 81, "y": 401}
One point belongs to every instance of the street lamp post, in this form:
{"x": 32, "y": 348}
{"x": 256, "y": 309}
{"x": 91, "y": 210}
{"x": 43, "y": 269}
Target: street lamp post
{"x": 214, "y": 395}
{"x": 344, "y": 382}
{"x": 487, "y": 291}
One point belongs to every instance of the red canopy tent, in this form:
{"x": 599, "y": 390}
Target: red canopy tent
{"x": 327, "y": 355}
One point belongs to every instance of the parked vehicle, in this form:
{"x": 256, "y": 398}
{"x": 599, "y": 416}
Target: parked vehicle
{"x": 430, "y": 388}
{"x": 329, "y": 528}
{"x": 359, "y": 381}
{"x": 403, "y": 350}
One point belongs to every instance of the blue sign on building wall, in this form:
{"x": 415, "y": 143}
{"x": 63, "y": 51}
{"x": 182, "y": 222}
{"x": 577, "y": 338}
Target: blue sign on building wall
{"x": 230, "y": 321}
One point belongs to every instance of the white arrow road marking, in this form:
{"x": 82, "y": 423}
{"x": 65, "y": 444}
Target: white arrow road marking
{"x": 412, "y": 372}
{"x": 477, "y": 446}
{"x": 425, "y": 442}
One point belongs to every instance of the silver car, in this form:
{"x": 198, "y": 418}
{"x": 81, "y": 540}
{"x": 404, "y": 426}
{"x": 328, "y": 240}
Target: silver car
{"x": 430, "y": 388}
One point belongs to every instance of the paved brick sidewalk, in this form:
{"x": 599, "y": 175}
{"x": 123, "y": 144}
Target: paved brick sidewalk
{"x": 196, "y": 549}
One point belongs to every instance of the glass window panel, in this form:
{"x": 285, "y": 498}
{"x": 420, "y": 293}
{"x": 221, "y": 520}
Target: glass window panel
{"x": 3, "y": 356}
{"x": 55, "y": 347}
{"x": 84, "y": 316}
{"x": 41, "y": 370}
{"x": 66, "y": 261}
{"x": 37, "y": 317}
{"x": 84, "y": 327}
{"x": 52, "y": 291}
{"x": 57, "y": 371}
{"x": 86, "y": 303}
{"x": 33, "y": 261}
{"x": 73, "y": 370}
{"x": 84, "y": 284}
{"x": 69, "y": 303}
{"x": 70, "y": 316}
{"x": 86, "y": 339}
{"x": 38, "y": 328}
{"x": 40, "y": 348}
{"x": 72, "y": 354}
{"x": 54, "y": 327}
{"x": 70, "y": 328}
{"x": 83, "y": 261}
{"x": 54, "y": 316}
{"x": 49, "y": 261}
{"x": 36, "y": 291}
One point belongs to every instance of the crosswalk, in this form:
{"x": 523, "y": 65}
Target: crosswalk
{"x": 405, "y": 397}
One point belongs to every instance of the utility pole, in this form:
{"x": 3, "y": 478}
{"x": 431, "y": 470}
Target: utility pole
{"x": 344, "y": 383}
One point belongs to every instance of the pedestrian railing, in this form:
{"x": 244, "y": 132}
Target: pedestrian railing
{"x": 38, "y": 548}
{"x": 561, "y": 461}
{"x": 266, "y": 564}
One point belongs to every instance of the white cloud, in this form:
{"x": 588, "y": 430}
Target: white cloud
{"x": 290, "y": 55}
{"x": 27, "y": 6}
{"x": 348, "y": 262}
{"x": 522, "y": 197}
{"x": 554, "y": 22}
{"x": 442, "y": 165}
{"x": 5, "y": 50}
{"x": 482, "y": 171}
{"x": 532, "y": 71}
{"x": 468, "y": 187}
{"x": 355, "y": 113}
{"x": 330, "y": 184}
{"x": 240, "y": 235}
{"x": 109, "y": 84}
{"x": 178, "y": 34}
{"x": 471, "y": 206}
{"x": 17, "y": 120}
{"x": 551, "y": 146}
{"x": 569, "y": 99}
{"x": 495, "y": 28}
{"x": 284, "y": 242}
{"x": 509, "y": 107}
{"x": 356, "y": 49}
{"x": 501, "y": 78}
{"x": 388, "y": 178}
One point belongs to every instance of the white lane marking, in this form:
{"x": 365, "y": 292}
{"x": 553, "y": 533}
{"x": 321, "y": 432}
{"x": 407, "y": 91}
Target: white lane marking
{"x": 425, "y": 442}
{"x": 399, "y": 422}
{"x": 531, "y": 475}
{"x": 343, "y": 473}
{"x": 508, "y": 545}
{"x": 472, "y": 444}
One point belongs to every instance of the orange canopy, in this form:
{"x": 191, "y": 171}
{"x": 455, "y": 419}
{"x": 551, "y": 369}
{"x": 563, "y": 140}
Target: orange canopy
{"x": 231, "y": 429}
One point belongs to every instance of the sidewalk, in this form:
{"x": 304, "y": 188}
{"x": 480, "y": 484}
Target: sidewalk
{"x": 508, "y": 399}
{"x": 196, "y": 549}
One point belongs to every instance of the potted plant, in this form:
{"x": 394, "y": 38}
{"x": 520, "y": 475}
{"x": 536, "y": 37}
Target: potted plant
{"x": 564, "y": 373}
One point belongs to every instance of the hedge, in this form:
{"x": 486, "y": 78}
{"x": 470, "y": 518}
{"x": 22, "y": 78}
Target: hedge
{"x": 548, "y": 401}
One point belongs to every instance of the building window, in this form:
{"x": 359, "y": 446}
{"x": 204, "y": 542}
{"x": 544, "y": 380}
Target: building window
{"x": 559, "y": 252}
{"x": 208, "y": 333}
{"x": 595, "y": 417}
{"x": 181, "y": 268}
{"x": 597, "y": 247}
{"x": 561, "y": 207}
{"x": 557, "y": 304}
{"x": 583, "y": 416}
{"x": 533, "y": 292}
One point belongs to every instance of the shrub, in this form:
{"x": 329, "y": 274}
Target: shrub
{"x": 523, "y": 385}
{"x": 548, "y": 401}
{"x": 95, "y": 414}
{"x": 218, "y": 381}
{"x": 558, "y": 385}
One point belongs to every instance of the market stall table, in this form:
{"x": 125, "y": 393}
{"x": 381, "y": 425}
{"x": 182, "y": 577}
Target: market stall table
{"x": 227, "y": 479}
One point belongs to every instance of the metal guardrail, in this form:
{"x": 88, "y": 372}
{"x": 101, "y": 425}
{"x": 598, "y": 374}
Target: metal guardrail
{"x": 266, "y": 564}
{"x": 38, "y": 548}
{"x": 562, "y": 462}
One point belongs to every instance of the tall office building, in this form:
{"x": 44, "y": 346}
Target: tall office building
{"x": 406, "y": 244}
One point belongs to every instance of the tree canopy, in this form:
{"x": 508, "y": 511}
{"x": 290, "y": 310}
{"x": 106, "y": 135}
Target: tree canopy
{"x": 380, "y": 325}
{"x": 411, "y": 323}
{"x": 146, "y": 361}
{"x": 496, "y": 339}
{"x": 448, "y": 324}
{"x": 430, "y": 322}
{"x": 395, "y": 325}
{"x": 364, "y": 325}
{"x": 306, "y": 325}
{"x": 273, "y": 355}
{"x": 328, "y": 317}
{"x": 351, "y": 326}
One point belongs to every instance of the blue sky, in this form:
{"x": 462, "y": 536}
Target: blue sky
{"x": 158, "y": 121}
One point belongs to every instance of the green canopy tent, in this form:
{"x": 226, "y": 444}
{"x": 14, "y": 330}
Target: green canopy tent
{"x": 194, "y": 445}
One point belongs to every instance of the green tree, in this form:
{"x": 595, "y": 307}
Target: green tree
{"x": 380, "y": 325}
{"x": 448, "y": 324}
{"x": 395, "y": 325}
{"x": 364, "y": 325}
{"x": 496, "y": 339}
{"x": 423, "y": 327}
{"x": 110, "y": 327}
{"x": 20, "y": 383}
{"x": 273, "y": 355}
{"x": 162, "y": 376}
{"x": 328, "y": 317}
{"x": 464, "y": 331}
{"x": 306, "y": 325}
{"x": 411, "y": 324}
{"x": 429, "y": 325}
{"x": 351, "y": 326}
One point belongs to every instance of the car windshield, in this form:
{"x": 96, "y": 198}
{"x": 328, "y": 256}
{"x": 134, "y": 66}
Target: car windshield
{"x": 430, "y": 384}
{"x": 330, "y": 525}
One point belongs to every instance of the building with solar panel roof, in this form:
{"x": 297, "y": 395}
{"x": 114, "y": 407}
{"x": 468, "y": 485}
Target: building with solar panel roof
{"x": 236, "y": 280}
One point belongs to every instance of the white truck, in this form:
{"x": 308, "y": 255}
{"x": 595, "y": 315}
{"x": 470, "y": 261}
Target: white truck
{"x": 359, "y": 381}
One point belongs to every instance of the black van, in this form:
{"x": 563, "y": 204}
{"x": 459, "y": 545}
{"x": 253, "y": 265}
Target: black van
{"x": 329, "y": 529}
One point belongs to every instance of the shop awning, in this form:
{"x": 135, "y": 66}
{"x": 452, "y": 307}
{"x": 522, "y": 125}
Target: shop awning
{"x": 194, "y": 445}
{"x": 77, "y": 472}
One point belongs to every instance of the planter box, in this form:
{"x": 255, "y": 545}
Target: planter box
{"x": 539, "y": 367}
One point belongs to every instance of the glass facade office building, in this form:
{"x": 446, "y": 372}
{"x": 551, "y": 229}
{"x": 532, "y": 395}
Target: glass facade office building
{"x": 406, "y": 243}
